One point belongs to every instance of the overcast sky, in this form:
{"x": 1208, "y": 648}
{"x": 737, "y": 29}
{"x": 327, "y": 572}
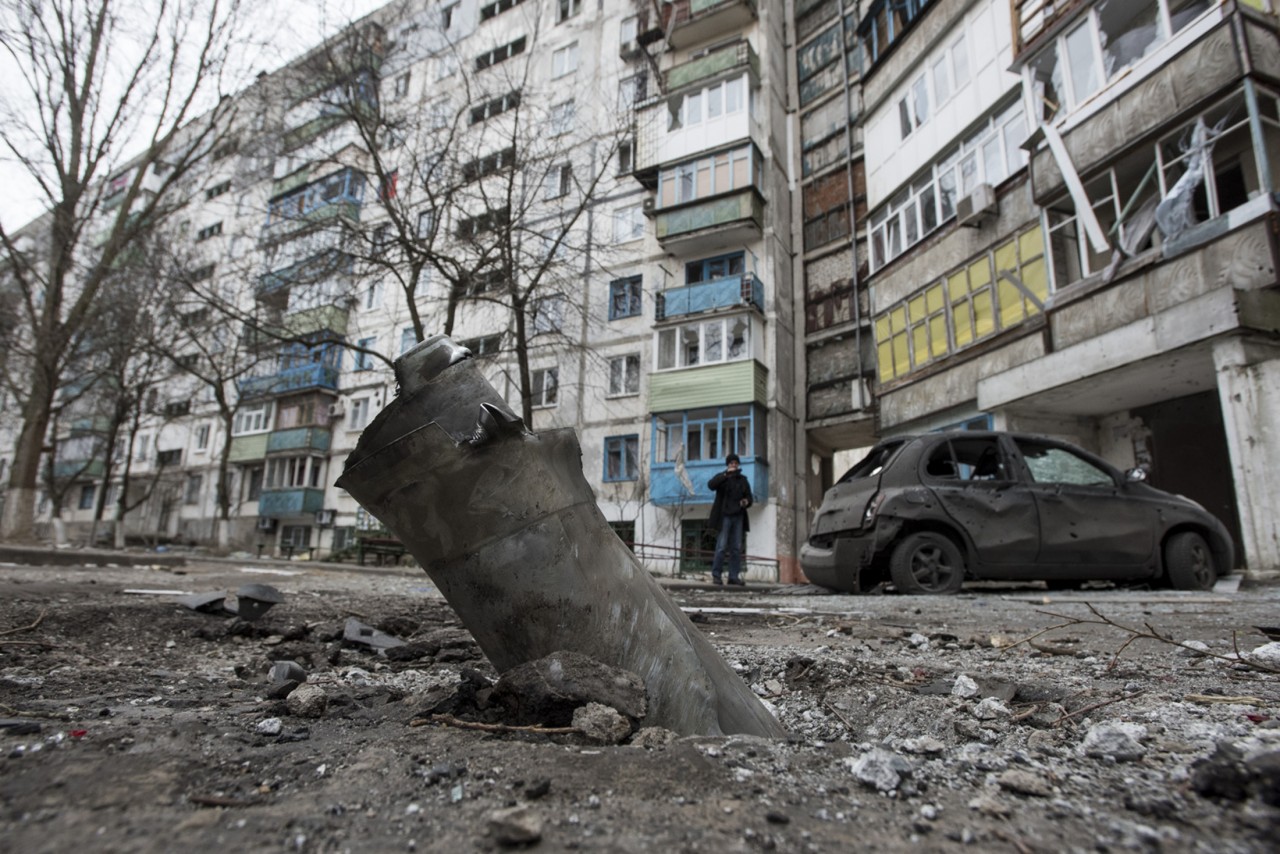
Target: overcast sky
{"x": 288, "y": 27}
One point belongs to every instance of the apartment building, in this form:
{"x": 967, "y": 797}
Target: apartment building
{"x": 652, "y": 206}
{"x": 1073, "y": 220}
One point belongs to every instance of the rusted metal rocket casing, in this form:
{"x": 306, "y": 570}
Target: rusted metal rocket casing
{"x": 509, "y": 531}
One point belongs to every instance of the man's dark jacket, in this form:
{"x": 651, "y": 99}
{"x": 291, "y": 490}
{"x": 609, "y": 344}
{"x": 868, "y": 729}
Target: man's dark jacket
{"x": 730, "y": 489}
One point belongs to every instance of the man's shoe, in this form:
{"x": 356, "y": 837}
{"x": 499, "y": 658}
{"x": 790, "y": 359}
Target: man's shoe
{"x": 738, "y": 581}
{"x": 718, "y": 581}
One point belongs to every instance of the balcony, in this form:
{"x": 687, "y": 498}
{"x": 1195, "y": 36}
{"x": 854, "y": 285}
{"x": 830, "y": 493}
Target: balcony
{"x": 690, "y": 22}
{"x": 723, "y": 384}
{"x": 713, "y": 223}
{"x": 667, "y": 487}
{"x": 322, "y": 318}
{"x": 299, "y": 439}
{"x": 719, "y": 63}
{"x": 290, "y": 380}
{"x": 729, "y": 292}
{"x": 248, "y": 448}
{"x": 335, "y": 196}
{"x": 301, "y": 501}
{"x": 78, "y": 469}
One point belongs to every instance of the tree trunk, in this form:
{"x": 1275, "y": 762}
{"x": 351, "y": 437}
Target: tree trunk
{"x": 18, "y": 523}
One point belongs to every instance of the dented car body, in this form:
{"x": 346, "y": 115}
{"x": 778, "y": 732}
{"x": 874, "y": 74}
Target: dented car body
{"x": 928, "y": 512}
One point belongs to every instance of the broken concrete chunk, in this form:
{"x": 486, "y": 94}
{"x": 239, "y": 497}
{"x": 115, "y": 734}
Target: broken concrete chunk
{"x": 254, "y": 600}
{"x": 548, "y": 690}
{"x": 205, "y": 603}
{"x": 286, "y": 671}
{"x": 601, "y": 724}
{"x": 653, "y": 737}
{"x": 880, "y": 769}
{"x": 518, "y": 825}
{"x": 1024, "y": 783}
{"x": 1121, "y": 740}
{"x": 361, "y": 633}
{"x": 307, "y": 701}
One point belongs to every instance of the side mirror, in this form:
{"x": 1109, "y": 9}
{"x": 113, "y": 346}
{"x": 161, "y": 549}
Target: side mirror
{"x": 1137, "y": 474}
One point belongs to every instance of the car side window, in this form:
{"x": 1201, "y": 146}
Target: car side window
{"x": 967, "y": 459}
{"x": 1051, "y": 464}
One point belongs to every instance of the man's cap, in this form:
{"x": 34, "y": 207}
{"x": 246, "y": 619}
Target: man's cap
{"x": 732, "y": 458}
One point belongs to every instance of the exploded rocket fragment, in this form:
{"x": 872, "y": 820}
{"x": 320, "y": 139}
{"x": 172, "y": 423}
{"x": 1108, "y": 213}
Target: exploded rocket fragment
{"x": 508, "y": 529}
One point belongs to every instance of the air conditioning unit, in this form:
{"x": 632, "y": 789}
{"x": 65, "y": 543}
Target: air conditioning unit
{"x": 629, "y": 49}
{"x": 977, "y": 208}
{"x": 324, "y": 518}
{"x": 336, "y": 410}
{"x": 650, "y": 205}
{"x": 266, "y": 523}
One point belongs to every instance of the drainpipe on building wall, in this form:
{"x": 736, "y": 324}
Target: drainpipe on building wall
{"x": 853, "y": 220}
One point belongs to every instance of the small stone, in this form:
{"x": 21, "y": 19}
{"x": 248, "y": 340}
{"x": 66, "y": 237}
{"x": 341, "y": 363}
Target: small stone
{"x": 537, "y": 789}
{"x": 1267, "y": 654}
{"x": 923, "y": 744}
{"x": 1121, "y": 740}
{"x": 1193, "y": 648}
{"x": 964, "y": 687}
{"x": 929, "y": 812}
{"x": 307, "y": 701}
{"x": 918, "y": 640}
{"x": 1024, "y": 783}
{"x": 270, "y": 726}
{"x": 990, "y": 709}
{"x": 653, "y": 737}
{"x": 287, "y": 671}
{"x": 880, "y": 769}
{"x": 988, "y": 805}
{"x": 601, "y": 724}
{"x": 518, "y": 825}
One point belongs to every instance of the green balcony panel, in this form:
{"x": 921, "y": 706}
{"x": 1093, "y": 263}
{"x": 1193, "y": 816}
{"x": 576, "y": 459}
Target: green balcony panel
{"x": 299, "y": 439}
{"x": 746, "y": 381}
{"x": 293, "y": 181}
{"x": 741, "y": 210}
{"x": 332, "y": 318}
{"x": 79, "y": 469}
{"x": 695, "y": 21}
{"x": 248, "y": 448}
{"x": 717, "y": 63}
{"x": 290, "y": 502}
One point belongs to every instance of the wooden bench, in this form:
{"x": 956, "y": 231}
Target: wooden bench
{"x": 381, "y": 548}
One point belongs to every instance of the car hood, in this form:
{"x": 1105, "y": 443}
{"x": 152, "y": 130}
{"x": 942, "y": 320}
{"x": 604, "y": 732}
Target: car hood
{"x": 844, "y": 505}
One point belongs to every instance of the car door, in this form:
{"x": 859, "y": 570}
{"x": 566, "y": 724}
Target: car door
{"x": 1086, "y": 518}
{"x": 978, "y": 487}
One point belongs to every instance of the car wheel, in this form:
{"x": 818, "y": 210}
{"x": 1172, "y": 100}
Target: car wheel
{"x": 927, "y": 563}
{"x": 1188, "y": 563}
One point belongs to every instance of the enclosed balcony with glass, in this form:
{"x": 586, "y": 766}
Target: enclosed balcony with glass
{"x": 298, "y": 367}
{"x": 689, "y": 448}
{"x": 717, "y": 199}
{"x": 338, "y": 194}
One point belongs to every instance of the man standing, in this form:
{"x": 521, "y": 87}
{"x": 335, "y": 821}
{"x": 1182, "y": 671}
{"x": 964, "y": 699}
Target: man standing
{"x": 729, "y": 518}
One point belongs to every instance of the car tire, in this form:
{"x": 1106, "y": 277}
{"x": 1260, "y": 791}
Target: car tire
{"x": 927, "y": 563}
{"x": 1188, "y": 562}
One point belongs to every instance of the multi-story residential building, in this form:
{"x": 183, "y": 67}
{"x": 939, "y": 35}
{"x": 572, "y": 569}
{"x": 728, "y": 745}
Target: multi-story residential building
{"x": 1073, "y": 231}
{"x": 734, "y": 231}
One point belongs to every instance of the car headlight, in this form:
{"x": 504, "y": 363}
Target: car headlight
{"x": 873, "y": 507}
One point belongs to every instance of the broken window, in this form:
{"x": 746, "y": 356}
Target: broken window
{"x": 1051, "y": 464}
{"x": 967, "y": 459}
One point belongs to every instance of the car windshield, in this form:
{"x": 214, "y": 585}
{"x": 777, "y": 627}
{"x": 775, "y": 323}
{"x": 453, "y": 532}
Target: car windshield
{"x": 873, "y": 463}
{"x": 1052, "y": 464}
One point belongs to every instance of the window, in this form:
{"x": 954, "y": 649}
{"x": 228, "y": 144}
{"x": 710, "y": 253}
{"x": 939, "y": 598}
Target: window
{"x": 171, "y": 457}
{"x": 621, "y": 458}
{"x": 548, "y": 314}
{"x": 705, "y": 342}
{"x": 490, "y": 345}
{"x": 408, "y": 338}
{"x": 726, "y": 98}
{"x": 439, "y": 114}
{"x": 86, "y": 496}
{"x": 177, "y": 408}
{"x": 567, "y": 9}
{"x": 558, "y": 181}
{"x": 209, "y": 231}
{"x": 364, "y": 360}
{"x": 624, "y": 375}
{"x": 495, "y": 106}
{"x": 294, "y": 472}
{"x": 202, "y": 437}
{"x": 387, "y": 186}
{"x": 545, "y": 385}
{"x": 297, "y": 536}
{"x": 491, "y": 164}
{"x": 710, "y": 434}
{"x": 624, "y": 297}
{"x": 402, "y": 85}
{"x": 491, "y": 10}
{"x": 885, "y": 22}
{"x": 555, "y": 246}
{"x": 994, "y": 291}
{"x": 217, "y": 190}
{"x": 564, "y": 60}
{"x": 252, "y": 480}
{"x": 707, "y": 176}
{"x": 345, "y": 186}
{"x": 1050, "y": 464}
{"x": 562, "y": 118}
{"x": 426, "y": 223}
{"x": 626, "y": 157}
{"x": 359, "y": 413}
{"x": 718, "y": 267}
{"x": 628, "y": 30}
{"x": 202, "y": 273}
{"x": 628, "y": 224}
{"x": 254, "y": 418}
{"x": 988, "y": 155}
{"x": 372, "y": 296}
{"x": 500, "y": 54}
{"x": 447, "y": 15}
{"x": 380, "y": 240}
{"x": 630, "y": 90}
{"x": 473, "y": 226}
{"x": 191, "y": 495}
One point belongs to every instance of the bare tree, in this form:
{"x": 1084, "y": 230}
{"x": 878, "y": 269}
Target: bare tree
{"x": 95, "y": 79}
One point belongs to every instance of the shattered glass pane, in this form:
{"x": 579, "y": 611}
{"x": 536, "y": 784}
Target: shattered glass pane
{"x": 1080, "y": 60}
{"x": 1129, "y": 31}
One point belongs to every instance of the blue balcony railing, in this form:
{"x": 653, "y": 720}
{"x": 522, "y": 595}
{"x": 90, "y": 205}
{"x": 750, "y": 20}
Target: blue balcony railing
{"x": 290, "y": 502}
{"x": 290, "y": 379}
{"x": 668, "y": 487}
{"x": 729, "y": 292}
{"x": 299, "y": 439}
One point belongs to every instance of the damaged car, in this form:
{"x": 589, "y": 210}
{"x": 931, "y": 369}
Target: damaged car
{"x": 929, "y": 512}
